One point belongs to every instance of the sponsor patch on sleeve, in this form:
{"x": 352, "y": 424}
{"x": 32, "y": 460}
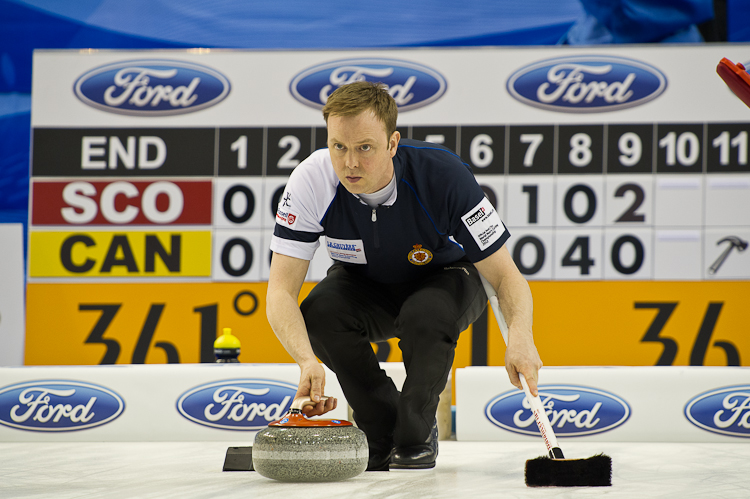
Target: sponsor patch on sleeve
{"x": 346, "y": 250}
{"x": 484, "y": 224}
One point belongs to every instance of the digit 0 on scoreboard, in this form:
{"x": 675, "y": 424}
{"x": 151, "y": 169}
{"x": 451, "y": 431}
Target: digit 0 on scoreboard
{"x": 532, "y": 252}
{"x": 238, "y": 202}
{"x": 236, "y": 255}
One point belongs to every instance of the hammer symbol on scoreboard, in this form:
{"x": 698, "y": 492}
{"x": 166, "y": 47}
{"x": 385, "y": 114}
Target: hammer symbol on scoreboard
{"x": 734, "y": 242}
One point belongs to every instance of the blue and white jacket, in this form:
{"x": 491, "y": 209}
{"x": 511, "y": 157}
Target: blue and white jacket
{"x": 437, "y": 215}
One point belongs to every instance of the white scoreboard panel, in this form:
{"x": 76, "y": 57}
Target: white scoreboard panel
{"x": 155, "y": 178}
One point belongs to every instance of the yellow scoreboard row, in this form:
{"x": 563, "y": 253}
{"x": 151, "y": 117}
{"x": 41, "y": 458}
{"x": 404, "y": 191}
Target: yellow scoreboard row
{"x": 575, "y": 323}
{"x": 120, "y": 254}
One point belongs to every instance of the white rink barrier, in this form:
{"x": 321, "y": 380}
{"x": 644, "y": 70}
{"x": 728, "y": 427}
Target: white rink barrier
{"x": 618, "y": 404}
{"x": 231, "y": 402}
{"x": 184, "y": 402}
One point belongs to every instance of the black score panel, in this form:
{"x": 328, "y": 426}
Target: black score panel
{"x": 483, "y": 147}
{"x": 321, "y": 138}
{"x": 122, "y": 152}
{"x": 580, "y": 149}
{"x": 444, "y": 135}
{"x": 240, "y": 152}
{"x": 531, "y": 150}
{"x": 727, "y": 148}
{"x": 286, "y": 148}
{"x": 630, "y": 148}
{"x": 679, "y": 148}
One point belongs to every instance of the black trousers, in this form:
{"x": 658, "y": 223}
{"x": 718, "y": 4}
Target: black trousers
{"x": 345, "y": 312}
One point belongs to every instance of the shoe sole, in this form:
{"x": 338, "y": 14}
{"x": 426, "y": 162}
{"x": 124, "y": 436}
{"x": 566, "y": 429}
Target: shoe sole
{"x": 412, "y": 467}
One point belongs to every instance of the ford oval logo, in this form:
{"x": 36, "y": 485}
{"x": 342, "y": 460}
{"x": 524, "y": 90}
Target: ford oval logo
{"x": 724, "y": 410}
{"x": 58, "y": 406}
{"x": 151, "y": 87}
{"x": 586, "y": 84}
{"x": 411, "y": 85}
{"x": 573, "y": 411}
{"x": 237, "y": 404}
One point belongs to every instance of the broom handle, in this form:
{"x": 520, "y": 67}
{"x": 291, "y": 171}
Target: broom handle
{"x": 540, "y": 415}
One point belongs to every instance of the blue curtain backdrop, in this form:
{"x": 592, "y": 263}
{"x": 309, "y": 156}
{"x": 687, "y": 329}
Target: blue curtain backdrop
{"x": 26, "y": 25}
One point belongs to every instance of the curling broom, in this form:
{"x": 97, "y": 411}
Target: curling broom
{"x": 555, "y": 470}
{"x": 736, "y": 77}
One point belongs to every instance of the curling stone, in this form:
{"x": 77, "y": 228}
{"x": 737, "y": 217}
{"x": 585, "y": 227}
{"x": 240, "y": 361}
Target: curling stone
{"x": 298, "y": 449}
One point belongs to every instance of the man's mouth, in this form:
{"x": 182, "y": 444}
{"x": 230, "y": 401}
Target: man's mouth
{"x": 353, "y": 180}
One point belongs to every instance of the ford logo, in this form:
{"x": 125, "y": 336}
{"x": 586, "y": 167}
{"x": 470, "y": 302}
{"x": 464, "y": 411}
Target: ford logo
{"x": 572, "y": 411}
{"x": 724, "y": 410}
{"x": 411, "y": 85}
{"x": 586, "y": 84}
{"x": 237, "y": 404}
{"x": 151, "y": 88}
{"x": 58, "y": 406}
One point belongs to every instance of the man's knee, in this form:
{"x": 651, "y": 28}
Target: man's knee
{"x": 428, "y": 323}
{"x": 316, "y": 309}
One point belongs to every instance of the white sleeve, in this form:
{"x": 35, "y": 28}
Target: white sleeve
{"x": 307, "y": 195}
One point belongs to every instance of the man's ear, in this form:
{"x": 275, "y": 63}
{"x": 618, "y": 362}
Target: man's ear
{"x": 393, "y": 142}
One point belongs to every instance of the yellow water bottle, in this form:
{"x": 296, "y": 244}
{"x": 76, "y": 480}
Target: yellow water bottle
{"x": 227, "y": 347}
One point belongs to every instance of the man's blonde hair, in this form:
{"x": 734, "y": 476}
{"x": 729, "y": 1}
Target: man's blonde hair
{"x": 354, "y": 98}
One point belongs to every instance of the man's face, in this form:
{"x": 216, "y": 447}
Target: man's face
{"x": 361, "y": 152}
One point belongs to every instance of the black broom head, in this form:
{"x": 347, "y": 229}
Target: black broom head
{"x": 595, "y": 471}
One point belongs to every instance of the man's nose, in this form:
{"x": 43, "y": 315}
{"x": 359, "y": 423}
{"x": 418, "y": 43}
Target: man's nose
{"x": 351, "y": 160}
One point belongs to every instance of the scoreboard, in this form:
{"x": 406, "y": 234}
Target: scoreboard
{"x": 621, "y": 173}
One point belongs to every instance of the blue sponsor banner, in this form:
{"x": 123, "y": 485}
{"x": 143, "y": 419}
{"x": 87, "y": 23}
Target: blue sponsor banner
{"x": 586, "y": 84}
{"x": 56, "y": 406}
{"x": 725, "y": 411}
{"x": 411, "y": 85}
{"x": 152, "y": 87}
{"x": 573, "y": 411}
{"x": 240, "y": 404}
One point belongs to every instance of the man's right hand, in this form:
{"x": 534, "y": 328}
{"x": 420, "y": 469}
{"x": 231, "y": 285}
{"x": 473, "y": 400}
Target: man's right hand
{"x": 312, "y": 384}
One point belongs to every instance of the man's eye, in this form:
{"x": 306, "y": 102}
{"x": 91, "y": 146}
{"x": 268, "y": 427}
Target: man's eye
{"x": 366, "y": 147}
{"x": 338, "y": 147}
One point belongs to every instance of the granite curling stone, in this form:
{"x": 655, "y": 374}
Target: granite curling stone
{"x": 298, "y": 449}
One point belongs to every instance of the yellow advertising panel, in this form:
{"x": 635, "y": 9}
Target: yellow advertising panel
{"x": 637, "y": 324}
{"x": 575, "y": 323}
{"x": 120, "y": 254}
{"x": 135, "y": 323}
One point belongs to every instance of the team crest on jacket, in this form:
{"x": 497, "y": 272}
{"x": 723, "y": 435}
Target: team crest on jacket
{"x": 420, "y": 255}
